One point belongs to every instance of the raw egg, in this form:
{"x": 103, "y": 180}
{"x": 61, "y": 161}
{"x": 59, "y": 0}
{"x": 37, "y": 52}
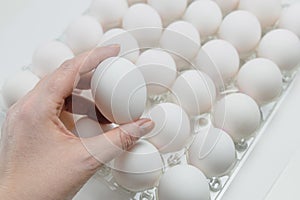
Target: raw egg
{"x": 109, "y": 12}
{"x": 129, "y": 47}
{"x": 144, "y": 23}
{"x": 119, "y": 90}
{"x": 213, "y": 152}
{"x": 261, "y": 79}
{"x": 220, "y": 60}
{"x": 282, "y": 47}
{"x": 139, "y": 168}
{"x": 49, "y": 56}
{"x": 18, "y": 86}
{"x": 183, "y": 182}
{"x": 159, "y": 70}
{"x": 242, "y": 29}
{"x": 205, "y": 15}
{"x": 195, "y": 92}
{"x": 169, "y": 10}
{"x": 172, "y": 127}
{"x": 83, "y": 34}
{"x": 238, "y": 115}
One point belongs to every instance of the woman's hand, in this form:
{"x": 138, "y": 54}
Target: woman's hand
{"x": 39, "y": 158}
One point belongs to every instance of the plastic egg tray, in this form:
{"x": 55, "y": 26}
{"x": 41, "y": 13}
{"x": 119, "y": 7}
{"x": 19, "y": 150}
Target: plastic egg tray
{"x": 218, "y": 185}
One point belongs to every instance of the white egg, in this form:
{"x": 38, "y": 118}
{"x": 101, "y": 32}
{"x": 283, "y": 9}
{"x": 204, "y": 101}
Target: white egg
{"x": 282, "y": 47}
{"x": 144, "y": 23}
{"x": 261, "y": 79}
{"x": 243, "y": 30}
{"x": 220, "y": 60}
{"x": 181, "y": 39}
{"x": 238, "y": 115}
{"x": 213, "y": 152}
{"x": 267, "y": 11}
{"x": 18, "y": 86}
{"x": 290, "y": 19}
{"x": 172, "y": 127}
{"x": 109, "y": 12}
{"x": 227, "y": 6}
{"x": 130, "y": 2}
{"x": 49, "y": 57}
{"x": 169, "y": 10}
{"x": 195, "y": 92}
{"x": 205, "y": 15}
{"x": 183, "y": 182}
{"x": 97, "y": 188}
{"x": 87, "y": 128}
{"x": 83, "y": 34}
{"x": 139, "y": 168}
{"x": 159, "y": 70}
{"x": 129, "y": 47}
{"x": 119, "y": 90}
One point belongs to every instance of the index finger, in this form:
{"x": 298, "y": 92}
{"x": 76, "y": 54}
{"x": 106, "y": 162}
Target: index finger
{"x": 60, "y": 84}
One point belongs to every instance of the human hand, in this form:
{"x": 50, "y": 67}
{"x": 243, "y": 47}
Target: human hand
{"x": 40, "y": 159}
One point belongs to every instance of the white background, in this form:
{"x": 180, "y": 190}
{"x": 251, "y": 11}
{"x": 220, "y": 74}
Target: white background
{"x": 272, "y": 170}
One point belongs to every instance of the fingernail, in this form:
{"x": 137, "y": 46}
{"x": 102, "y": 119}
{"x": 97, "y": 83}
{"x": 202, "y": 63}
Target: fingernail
{"x": 146, "y": 127}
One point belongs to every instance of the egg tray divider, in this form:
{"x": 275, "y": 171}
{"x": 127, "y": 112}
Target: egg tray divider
{"x": 218, "y": 185}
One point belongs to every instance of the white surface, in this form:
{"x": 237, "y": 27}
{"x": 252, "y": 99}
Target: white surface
{"x": 273, "y": 163}
{"x": 26, "y": 24}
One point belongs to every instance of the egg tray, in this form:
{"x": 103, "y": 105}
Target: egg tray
{"x": 218, "y": 185}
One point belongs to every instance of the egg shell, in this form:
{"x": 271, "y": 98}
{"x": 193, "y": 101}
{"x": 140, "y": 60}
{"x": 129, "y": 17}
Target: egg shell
{"x": 187, "y": 40}
{"x": 261, "y": 79}
{"x": 139, "y": 168}
{"x": 169, "y": 10}
{"x": 205, "y": 15}
{"x": 220, "y": 60}
{"x": 195, "y": 92}
{"x": 144, "y": 23}
{"x": 242, "y": 29}
{"x": 290, "y": 19}
{"x": 267, "y": 11}
{"x": 83, "y": 34}
{"x": 227, "y": 6}
{"x": 131, "y": 2}
{"x": 213, "y": 152}
{"x": 109, "y": 12}
{"x": 49, "y": 56}
{"x": 172, "y": 127}
{"x": 282, "y": 47}
{"x": 18, "y": 86}
{"x": 159, "y": 70}
{"x": 238, "y": 115}
{"x": 129, "y": 47}
{"x": 183, "y": 182}
{"x": 97, "y": 188}
{"x": 119, "y": 90}
{"x": 87, "y": 128}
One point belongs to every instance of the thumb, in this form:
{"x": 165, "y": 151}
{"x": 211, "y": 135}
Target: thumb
{"x": 109, "y": 145}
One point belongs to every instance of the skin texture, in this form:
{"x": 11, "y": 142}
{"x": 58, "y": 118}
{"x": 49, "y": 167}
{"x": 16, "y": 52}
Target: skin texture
{"x": 39, "y": 157}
